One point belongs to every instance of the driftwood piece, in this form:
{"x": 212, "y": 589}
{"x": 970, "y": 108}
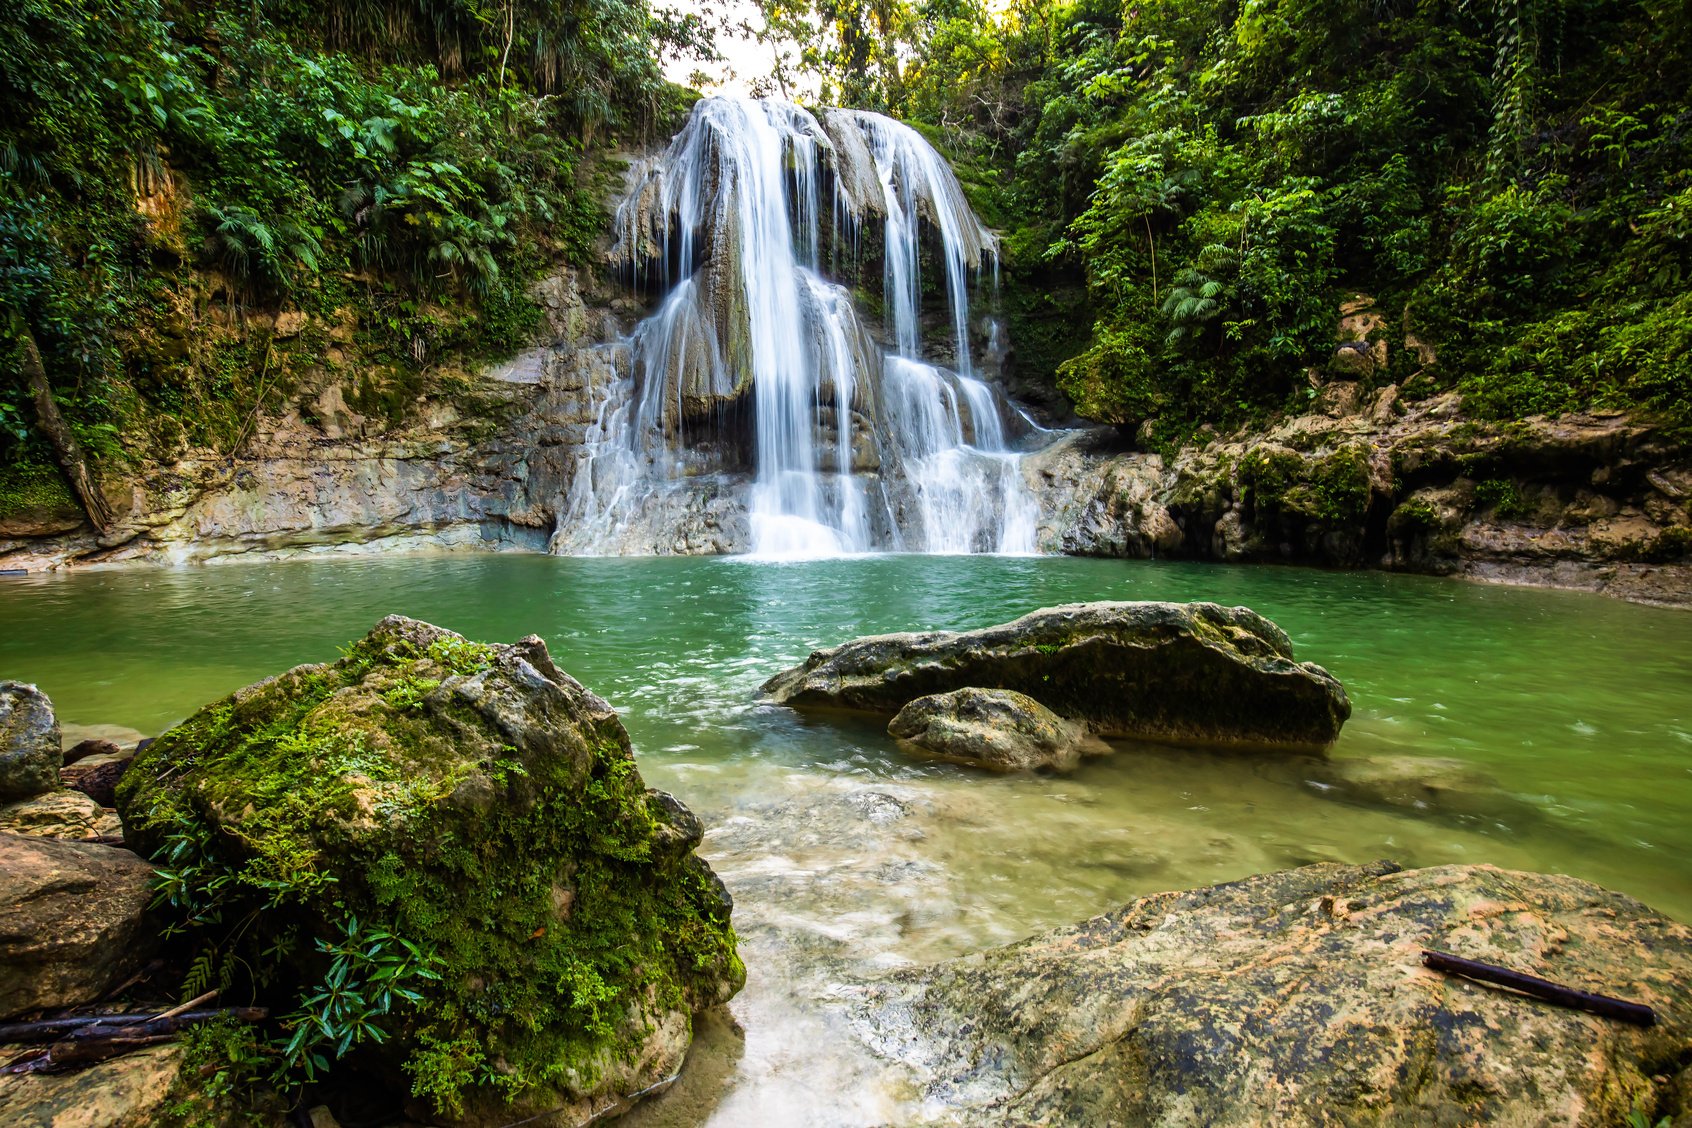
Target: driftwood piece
{"x": 63, "y": 1055}
{"x": 1620, "y": 1009}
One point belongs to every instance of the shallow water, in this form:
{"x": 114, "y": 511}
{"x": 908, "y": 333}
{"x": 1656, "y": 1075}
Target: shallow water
{"x": 845, "y": 857}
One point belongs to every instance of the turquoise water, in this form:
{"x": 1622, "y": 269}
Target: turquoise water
{"x": 1580, "y": 704}
{"x": 845, "y": 856}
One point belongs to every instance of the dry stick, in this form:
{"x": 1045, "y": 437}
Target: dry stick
{"x": 1619, "y": 1009}
{"x": 186, "y": 1007}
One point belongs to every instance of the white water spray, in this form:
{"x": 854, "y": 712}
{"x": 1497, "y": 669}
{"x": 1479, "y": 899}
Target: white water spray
{"x": 756, "y": 392}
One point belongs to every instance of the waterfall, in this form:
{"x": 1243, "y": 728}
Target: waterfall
{"x": 756, "y": 409}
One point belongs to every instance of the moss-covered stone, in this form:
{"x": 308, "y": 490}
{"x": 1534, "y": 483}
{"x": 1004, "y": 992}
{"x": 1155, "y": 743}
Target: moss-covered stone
{"x": 1333, "y": 488}
{"x": 34, "y": 495}
{"x": 477, "y": 805}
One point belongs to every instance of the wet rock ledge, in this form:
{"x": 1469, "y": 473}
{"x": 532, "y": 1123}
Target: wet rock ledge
{"x": 1182, "y": 672}
{"x": 1299, "y": 998}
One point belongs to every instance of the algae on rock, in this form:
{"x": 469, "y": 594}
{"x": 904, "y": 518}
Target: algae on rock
{"x": 546, "y": 929}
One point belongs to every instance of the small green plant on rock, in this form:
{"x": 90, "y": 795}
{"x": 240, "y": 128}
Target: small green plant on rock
{"x": 1502, "y": 496}
{"x": 220, "y": 1084}
{"x": 370, "y": 972}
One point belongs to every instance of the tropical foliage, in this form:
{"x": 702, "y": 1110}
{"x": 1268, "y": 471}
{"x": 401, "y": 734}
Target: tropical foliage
{"x": 172, "y": 175}
{"x": 1509, "y": 181}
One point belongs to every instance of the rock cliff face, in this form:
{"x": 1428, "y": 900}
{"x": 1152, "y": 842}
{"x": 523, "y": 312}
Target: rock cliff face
{"x": 1299, "y": 998}
{"x": 1368, "y": 479}
{"x": 485, "y": 468}
{"x": 1593, "y": 502}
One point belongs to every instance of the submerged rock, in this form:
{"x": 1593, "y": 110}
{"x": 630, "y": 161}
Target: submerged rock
{"x": 1299, "y": 998}
{"x": 97, "y": 776}
{"x": 997, "y": 729}
{"x": 71, "y": 921}
{"x": 478, "y": 803}
{"x": 30, "y": 754}
{"x": 1433, "y": 785}
{"x": 1195, "y": 672}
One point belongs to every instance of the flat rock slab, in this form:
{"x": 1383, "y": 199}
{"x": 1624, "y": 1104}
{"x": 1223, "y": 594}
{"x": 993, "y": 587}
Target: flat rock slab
{"x": 1184, "y": 672}
{"x": 71, "y": 921}
{"x": 1000, "y": 730}
{"x": 1299, "y": 998}
{"x": 64, "y": 813}
{"x": 126, "y": 1092}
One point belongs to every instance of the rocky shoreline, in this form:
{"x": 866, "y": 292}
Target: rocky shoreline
{"x": 1587, "y": 502}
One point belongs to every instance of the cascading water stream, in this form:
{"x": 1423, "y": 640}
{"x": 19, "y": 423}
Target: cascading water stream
{"x": 755, "y": 400}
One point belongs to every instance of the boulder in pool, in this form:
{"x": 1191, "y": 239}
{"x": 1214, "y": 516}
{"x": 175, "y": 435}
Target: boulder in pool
{"x": 1299, "y": 998}
{"x": 1000, "y": 730}
{"x": 1183, "y": 672}
{"x": 473, "y": 816}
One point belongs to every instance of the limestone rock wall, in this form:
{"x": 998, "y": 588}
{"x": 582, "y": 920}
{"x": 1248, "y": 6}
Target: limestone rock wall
{"x": 485, "y": 468}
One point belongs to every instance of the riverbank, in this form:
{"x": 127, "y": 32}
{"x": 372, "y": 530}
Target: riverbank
{"x": 1589, "y": 502}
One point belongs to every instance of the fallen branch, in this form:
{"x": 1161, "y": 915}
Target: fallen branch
{"x": 186, "y": 1007}
{"x": 105, "y": 1027}
{"x": 63, "y": 1055}
{"x": 1620, "y": 1009}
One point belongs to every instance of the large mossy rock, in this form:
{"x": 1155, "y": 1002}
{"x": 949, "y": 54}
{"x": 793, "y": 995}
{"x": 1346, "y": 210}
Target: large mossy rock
{"x": 72, "y": 921}
{"x": 30, "y": 753}
{"x": 1299, "y": 998}
{"x": 1195, "y": 672}
{"x": 476, "y": 802}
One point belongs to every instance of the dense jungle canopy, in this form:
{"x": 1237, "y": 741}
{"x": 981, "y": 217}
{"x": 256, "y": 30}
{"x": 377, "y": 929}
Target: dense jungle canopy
{"x": 1188, "y": 190}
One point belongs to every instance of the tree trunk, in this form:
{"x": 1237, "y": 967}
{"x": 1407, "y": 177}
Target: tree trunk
{"x": 58, "y": 432}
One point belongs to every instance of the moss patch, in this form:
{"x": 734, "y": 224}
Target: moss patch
{"x": 1334, "y": 488}
{"x": 36, "y": 491}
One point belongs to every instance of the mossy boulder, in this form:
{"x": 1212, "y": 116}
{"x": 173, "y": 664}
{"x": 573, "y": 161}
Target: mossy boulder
{"x": 1299, "y": 998}
{"x": 544, "y": 930}
{"x": 1189, "y": 672}
{"x": 30, "y": 753}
